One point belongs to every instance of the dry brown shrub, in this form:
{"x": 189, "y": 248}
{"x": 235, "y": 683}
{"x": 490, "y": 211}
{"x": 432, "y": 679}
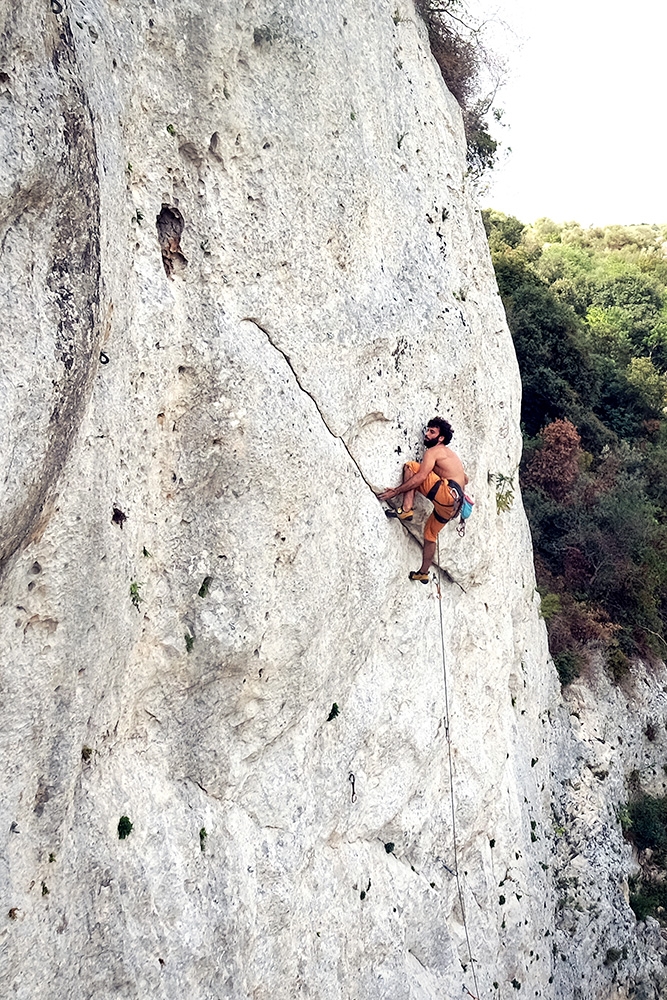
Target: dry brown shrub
{"x": 577, "y": 570}
{"x": 457, "y": 56}
{"x": 651, "y": 428}
{"x": 555, "y": 467}
{"x": 456, "y": 42}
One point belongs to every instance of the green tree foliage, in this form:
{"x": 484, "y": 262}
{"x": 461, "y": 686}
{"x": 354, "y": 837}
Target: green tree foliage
{"x": 588, "y": 313}
{"x": 645, "y": 824}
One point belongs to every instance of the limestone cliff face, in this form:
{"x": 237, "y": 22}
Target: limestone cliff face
{"x": 241, "y": 268}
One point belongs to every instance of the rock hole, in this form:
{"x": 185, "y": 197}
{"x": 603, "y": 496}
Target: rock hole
{"x": 189, "y": 152}
{"x": 214, "y": 146}
{"x": 170, "y": 224}
{"x": 118, "y": 517}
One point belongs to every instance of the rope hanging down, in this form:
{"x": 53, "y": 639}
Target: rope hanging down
{"x": 451, "y": 781}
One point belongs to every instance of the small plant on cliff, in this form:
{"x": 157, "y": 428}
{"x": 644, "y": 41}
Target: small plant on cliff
{"x": 135, "y": 596}
{"x": 623, "y": 814}
{"x": 504, "y": 491}
{"x": 124, "y": 827}
{"x": 202, "y": 838}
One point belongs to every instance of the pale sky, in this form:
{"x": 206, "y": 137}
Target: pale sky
{"x": 585, "y": 107}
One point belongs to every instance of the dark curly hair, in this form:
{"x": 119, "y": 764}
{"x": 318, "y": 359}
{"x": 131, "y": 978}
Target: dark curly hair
{"x": 444, "y": 428}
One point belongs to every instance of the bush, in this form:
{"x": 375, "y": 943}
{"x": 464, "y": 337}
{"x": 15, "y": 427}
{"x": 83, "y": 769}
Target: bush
{"x": 647, "y": 898}
{"x": 555, "y": 466}
{"x": 458, "y": 49}
{"x": 618, "y": 665}
{"x": 647, "y": 829}
{"x": 550, "y": 606}
{"x": 648, "y": 817}
{"x": 568, "y": 665}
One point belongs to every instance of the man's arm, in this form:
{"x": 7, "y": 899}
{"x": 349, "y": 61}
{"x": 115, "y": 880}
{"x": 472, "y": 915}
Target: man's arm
{"x": 427, "y": 466}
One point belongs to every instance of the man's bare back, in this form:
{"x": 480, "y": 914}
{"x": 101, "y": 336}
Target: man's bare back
{"x": 448, "y": 464}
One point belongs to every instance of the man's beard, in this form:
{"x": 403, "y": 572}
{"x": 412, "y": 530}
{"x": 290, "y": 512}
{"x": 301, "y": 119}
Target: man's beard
{"x": 431, "y": 442}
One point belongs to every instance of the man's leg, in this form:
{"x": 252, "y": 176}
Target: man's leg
{"x": 408, "y": 498}
{"x": 431, "y": 529}
{"x": 429, "y": 552}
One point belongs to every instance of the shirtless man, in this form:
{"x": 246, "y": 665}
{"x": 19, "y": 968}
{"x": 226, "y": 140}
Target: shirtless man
{"x": 441, "y": 478}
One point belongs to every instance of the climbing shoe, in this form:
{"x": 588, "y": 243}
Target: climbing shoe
{"x": 402, "y": 515}
{"x": 416, "y": 575}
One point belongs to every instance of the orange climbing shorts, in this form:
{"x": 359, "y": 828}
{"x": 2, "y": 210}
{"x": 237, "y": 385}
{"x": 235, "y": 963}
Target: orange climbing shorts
{"x": 444, "y": 502}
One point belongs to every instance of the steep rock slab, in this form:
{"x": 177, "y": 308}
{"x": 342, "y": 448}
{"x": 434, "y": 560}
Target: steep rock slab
{"x": 270, "y": 203}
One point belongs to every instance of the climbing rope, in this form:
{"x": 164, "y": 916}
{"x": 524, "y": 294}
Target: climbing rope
{"x": 451, "y": 780}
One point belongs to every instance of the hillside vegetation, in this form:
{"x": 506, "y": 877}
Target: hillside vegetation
{"x": 588, "y": 313}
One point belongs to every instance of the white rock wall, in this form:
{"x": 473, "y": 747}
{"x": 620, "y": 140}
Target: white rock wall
{"x": 218, "y": 404}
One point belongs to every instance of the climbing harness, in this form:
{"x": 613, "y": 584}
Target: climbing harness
{"x": 463, "y": 504}
{"x": 451, "y": 782}
{"x": 455, "y": 491}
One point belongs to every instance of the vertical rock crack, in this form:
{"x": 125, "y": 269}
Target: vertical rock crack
{"x": 338, "y": 437}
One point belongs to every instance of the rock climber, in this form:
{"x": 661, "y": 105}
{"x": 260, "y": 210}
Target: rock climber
{"x": 440, "y": 477}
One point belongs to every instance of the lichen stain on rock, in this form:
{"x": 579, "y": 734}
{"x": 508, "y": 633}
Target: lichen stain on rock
{"x": 58, "y": 205}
